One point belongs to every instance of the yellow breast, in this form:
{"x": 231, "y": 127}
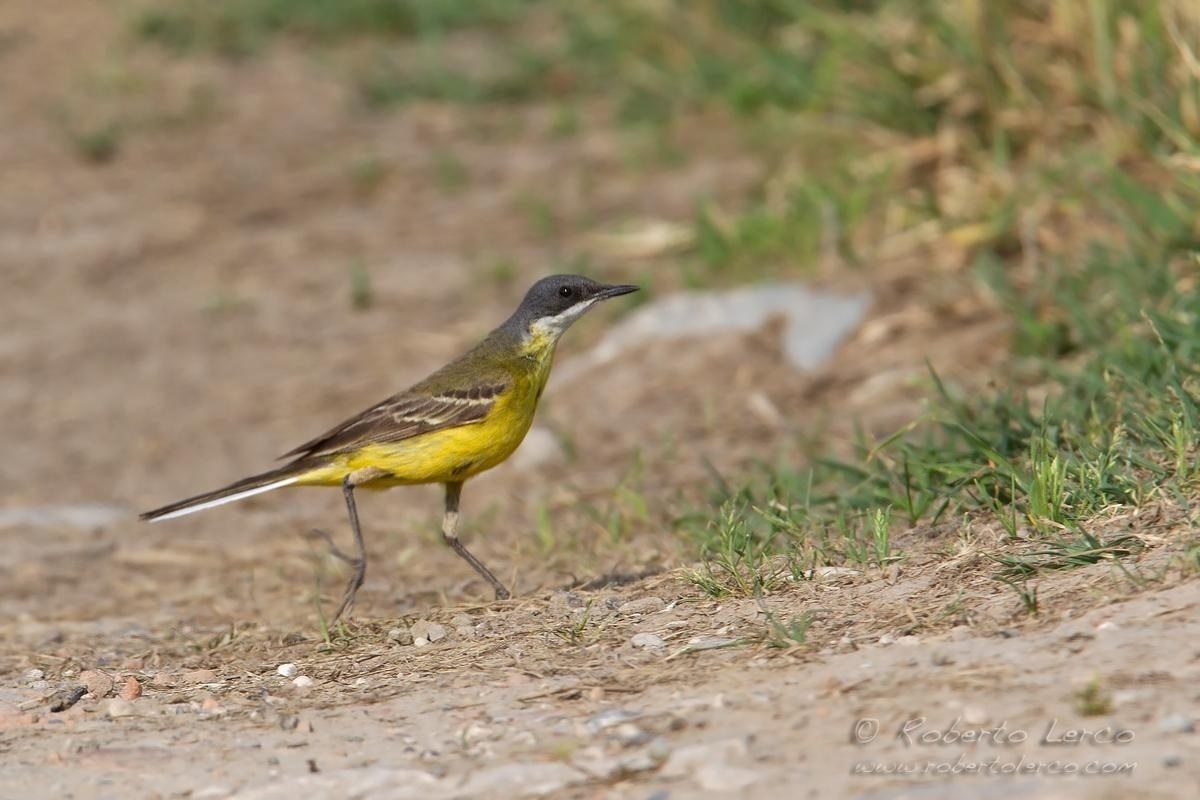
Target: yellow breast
{"x": 451, "y": 454}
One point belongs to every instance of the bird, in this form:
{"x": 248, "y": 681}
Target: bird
{"x": 465, "y": 418}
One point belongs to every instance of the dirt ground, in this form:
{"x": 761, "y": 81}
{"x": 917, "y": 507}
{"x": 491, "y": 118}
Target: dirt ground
{"x": 175, "y": 318}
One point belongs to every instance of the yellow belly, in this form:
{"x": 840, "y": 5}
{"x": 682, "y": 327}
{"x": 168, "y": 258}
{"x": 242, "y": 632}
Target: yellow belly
{"x": 452, "y": 454}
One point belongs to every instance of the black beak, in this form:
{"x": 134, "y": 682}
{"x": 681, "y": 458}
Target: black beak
{"x": 615, "y": 291}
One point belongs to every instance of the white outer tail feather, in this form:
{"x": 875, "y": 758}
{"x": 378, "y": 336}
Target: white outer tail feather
{"x": 220, "y": 501}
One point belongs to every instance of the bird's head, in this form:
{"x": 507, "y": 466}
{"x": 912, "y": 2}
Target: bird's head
{"x": 553, "y": 303}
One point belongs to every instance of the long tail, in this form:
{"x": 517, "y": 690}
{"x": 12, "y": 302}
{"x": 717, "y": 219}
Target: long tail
{"x": 247, "y": 487}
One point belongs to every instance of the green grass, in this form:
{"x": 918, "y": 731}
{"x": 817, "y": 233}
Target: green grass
{"x": 241, "y": 27}
{"x": 100, "y": 144}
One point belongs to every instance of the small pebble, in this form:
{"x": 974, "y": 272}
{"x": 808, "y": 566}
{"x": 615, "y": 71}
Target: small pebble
{"x": 475, "y": 733}
{"x": 210, "y": 705}
{"x": 287, "y": 670}
{"x": 1172, "y": 760}
{"x": 302, "y": 682}
{"x": 400, "y": 635}
{"x": 119, "y": 707}
{"x": 909, "y": 641}
{"x": 629, "y": 734}
{"x": 699, "y": 643}
{"x": 609, "y": 718}
{"x": 32, "y": 675}
{"x": 200, "y": 676}
{"x": 429, "y": 631}
{"x": 98, "y": 683}
{"x": 649, "y": 641}
{"x": 1108, "y": 626}
{"x": 132, "y": 690}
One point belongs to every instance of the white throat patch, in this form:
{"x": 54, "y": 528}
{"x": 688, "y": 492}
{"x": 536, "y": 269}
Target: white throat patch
{"x": 554, "y": 326}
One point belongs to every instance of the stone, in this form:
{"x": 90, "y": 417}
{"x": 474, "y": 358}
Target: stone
{"x": 119, "y": 707}
{"x": 98, "y": 683}
{"x": 648, "y": 641}
{"x": 425, "y": 632}
{"x": 132, "y": 689}
{"x": 610, "y": 718}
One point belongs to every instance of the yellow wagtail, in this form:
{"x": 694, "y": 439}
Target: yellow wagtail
{"x": 465, "y": 418}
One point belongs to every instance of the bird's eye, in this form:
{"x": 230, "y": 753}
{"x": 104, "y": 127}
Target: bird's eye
{"x": 565, "y": 291}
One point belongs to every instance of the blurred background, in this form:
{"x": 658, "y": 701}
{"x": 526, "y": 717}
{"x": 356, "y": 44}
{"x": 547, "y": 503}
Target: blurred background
{"x": 227, "y": 224}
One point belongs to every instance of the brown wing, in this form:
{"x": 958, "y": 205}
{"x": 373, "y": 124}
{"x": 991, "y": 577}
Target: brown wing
{"x": 404, "y": 416}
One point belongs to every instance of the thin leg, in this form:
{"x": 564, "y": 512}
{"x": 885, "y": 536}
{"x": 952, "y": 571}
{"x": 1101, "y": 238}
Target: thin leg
{"x": 359, "y": 562}
{"x": 450, "y": 535}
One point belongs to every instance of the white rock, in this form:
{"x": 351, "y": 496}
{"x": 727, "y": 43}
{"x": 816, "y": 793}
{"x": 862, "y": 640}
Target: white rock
{"x": 302, "y": 682}
{"x": 815, "y": 322}
{"x": 32, "y": 675}
{"x": 119, "y": 707}
{"x": 610, "y": 717}
{"x": 429, "y": 631}
{"x": 400, "y": 635}
{"x": 287, "y": 670}
{"x": 649, "y": 641}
